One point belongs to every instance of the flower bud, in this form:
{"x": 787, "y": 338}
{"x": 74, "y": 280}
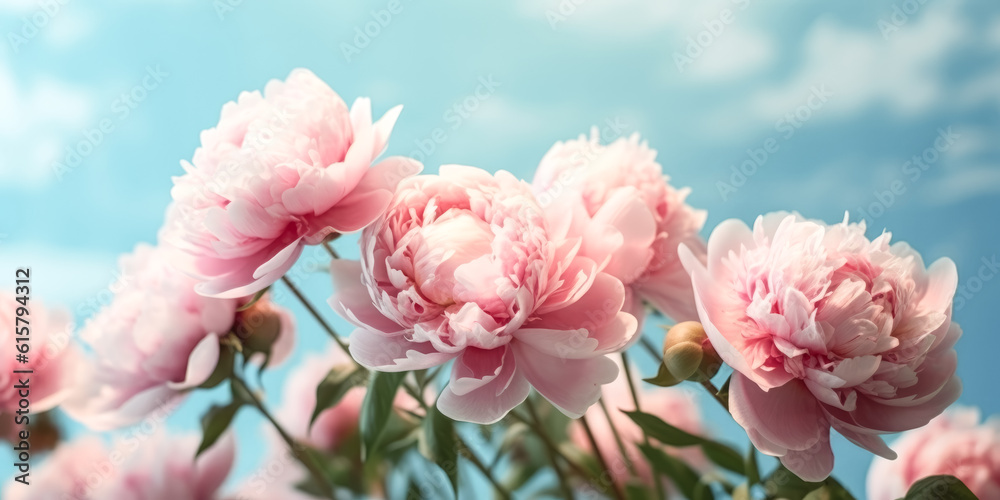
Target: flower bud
{"x": 688, "y": 354}
{"x": 258, "y": 327}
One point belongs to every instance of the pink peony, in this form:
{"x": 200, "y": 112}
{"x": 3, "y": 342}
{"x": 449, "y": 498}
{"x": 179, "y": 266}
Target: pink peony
{"x": 955, "y": 443}
{"x": 70, "y": 473}
{"x": 156, "y": 340}
{"x": 674, "y": 405}
{"x": 622, "y": 187}
{"x": 157, "y": 467}
{"x": 51, "y": 356}
{"x": 465, "y": 266}
{"x": 280, "y": 171}
{"x": 825, "y": 328}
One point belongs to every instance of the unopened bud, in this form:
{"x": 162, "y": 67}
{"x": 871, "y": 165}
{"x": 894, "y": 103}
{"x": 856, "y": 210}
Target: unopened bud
{"x": 258, "y": 327}
{"x": 688, "y": 354}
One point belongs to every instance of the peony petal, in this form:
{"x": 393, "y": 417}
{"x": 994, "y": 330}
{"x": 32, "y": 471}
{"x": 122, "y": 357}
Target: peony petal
{"x": 394, "y": 354}
{"x": 383, "y": 128}
{"x": 490, "y": 402}
{"x": 571, "y": 385}
{"x": 475, "y": 368}
{"x": 352, "y": 301}
{"x": 814, "y": 464}
{"x": 201, "y": 363}
{"x": 787, "y": 416}
{"x": 213, "y": 466}
{"x": 628, "y": 214}
{"x": 368, "y": 200}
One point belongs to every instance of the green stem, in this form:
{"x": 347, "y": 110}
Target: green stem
{"x": 651, "y": 349}
{"x": 714, "y": 391}
{"x": 600, "y": 458}
{"x": 471, "y": 457}
{"x": 563, "y": 480}
{"x": 329, "y": 249}
{"x": 618, "y": 439}
{"x": 312, "y": 310}
{"x": 660, "y": 493}
{"x": 300, "y": 452}
{"x": 552, "y": 447}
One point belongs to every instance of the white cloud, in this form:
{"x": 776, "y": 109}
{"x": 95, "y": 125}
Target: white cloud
{"x": 36, "y": 119}
{"x": 735, "y": 53}
{"x": 61, "y": 276}
{"x": 18, "y": 5}
{"x": 962, "y": 184}
{"x": 862, "y": 68}
{"x": 604, "y": 17}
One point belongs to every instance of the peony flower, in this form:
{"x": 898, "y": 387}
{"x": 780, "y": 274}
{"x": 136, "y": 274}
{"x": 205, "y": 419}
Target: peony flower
{"x": 70, "y": 473}
{"x": 622, "y": 187}
{"x": 955, "y": 443}
{"x": 280, "y": 171}
{"x": 674, "y": 405}
{"x": 465, "y": 266}
{"x": 157, "y": 340}
{"x": 825, "y": 328}
{"x": 157, "y": 467}
{"x": 51, "y": 356}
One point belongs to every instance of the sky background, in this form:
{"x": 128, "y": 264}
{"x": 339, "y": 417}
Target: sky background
{"x": 849, "y": 92}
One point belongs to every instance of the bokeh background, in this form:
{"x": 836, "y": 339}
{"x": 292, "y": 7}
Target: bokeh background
{"x": 845, "y": 94}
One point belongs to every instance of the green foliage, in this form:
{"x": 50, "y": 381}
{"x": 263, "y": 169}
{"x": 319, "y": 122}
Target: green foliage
{"x": 215, "y": 422}
{"x": 940, "y": 487}
{"x": 718, "y": 453}
{"x": 334, "y": 386}
{"x": 377, "y": 408}
{"x": 439, "y": 444}
{"x": 782, "y": 483}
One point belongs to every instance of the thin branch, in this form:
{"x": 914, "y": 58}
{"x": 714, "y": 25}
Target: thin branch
{"x": 471, "y": 457}
{"x": 300, "y": 452}
{"x": 312, "y": 310}
{"x": 600, "y": 458}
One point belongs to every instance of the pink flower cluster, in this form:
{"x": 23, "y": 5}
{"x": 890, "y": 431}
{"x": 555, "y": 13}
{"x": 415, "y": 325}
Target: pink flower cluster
{"x": 150, "y": 467}
{"x": 622, "y": 188}
{"x": 955, "y": 443}
{"x": 467, "y": 266}
{"x": 515, "y": 285}
{"x": 156, "y": 340}
{"x": 825, "y": 328}
{"x": 281, "y": 170}
{"x": 52, "y": 360}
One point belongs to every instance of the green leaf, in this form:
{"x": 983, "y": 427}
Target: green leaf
{"x": 829, "y": 491}
{"x": 702, "y": 491}
{"x": 724, "y": 456}
{"x": 377, "y": 408}
{"x": 752, "y": 471}
{"x": 253, "y": 301}
{"x": 215, "y": 422}
{"x": 663, "y": 432}
{"x": 635, "y": 490}
{"x": 663, "y": 378}
{"x": 724, "y": 390}
{"x": 785, "y": 484}
{"x": 682, "y": 475}
{"x": 936, "y": 487}
{"x": 334, "y": 386}
{"x": 440, "y": 445}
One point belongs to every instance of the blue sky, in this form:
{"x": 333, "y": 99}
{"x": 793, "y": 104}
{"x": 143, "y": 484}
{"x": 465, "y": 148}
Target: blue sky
{"x": 843, "y": 95}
